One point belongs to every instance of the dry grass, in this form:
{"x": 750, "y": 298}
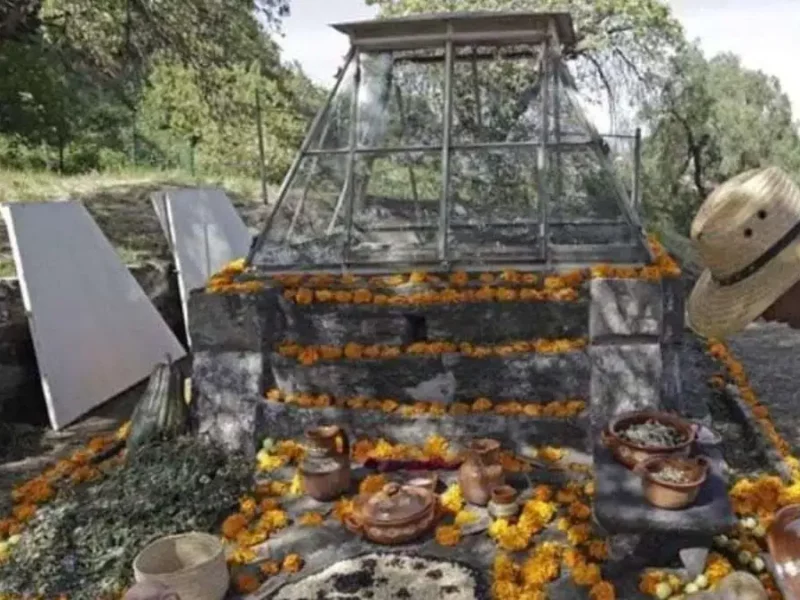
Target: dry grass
{"x": 120, "y": 203}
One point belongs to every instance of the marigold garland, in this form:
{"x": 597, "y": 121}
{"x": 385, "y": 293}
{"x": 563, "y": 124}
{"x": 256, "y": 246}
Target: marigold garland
{"x": 309, "y": 355}
{"x": 556, "y": 409}
{"x": 494, "y": 286}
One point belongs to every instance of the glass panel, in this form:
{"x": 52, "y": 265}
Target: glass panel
{"x": 401, "y": 99}
{"x": 308, "y": 229}
{"x": 496, "y": 94}
{"x": 589, "y": 188}
{"x": 396, "y": 207}
{"x": 493, "y": 204}
{"x": 333, "y": 132}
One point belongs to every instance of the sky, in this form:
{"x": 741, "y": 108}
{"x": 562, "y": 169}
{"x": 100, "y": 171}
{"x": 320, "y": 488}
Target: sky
{"x": 764, "y": 35}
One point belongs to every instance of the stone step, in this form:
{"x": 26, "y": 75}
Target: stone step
{"x": 442, "y": 378}
{"x": 283, "y": 421}
{"x": 475, "y": 322}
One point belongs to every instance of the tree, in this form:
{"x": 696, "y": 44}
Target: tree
{"x": 713, "y": 119}
{"x": 622, "y": 45}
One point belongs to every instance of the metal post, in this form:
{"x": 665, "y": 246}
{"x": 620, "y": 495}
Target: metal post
{"x": 559, "y": 165}
{"x": 544, "y": 173}
{"x": 349, "y": 184}
{"x": 297, "y": 160}
{"x": 444, "y": 201}
{"x": 261, "y": 154}
{"x": 636, "y": 195}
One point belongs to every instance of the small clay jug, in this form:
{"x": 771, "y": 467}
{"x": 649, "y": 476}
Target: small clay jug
{"x": 326, "y": 466}
{"x": 481, "y": 472}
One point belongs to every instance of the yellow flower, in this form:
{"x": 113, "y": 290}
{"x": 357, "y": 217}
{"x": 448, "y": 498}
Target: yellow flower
{"x": 242, "y": 556}
{"x": 448, "y": 535}
{"x": 578, "y": 534}
{"x": 248, "y": 506}
{"x": 372, "y": 484}
{"x": 436, "y": 446}
{"x": 504, "y": 568}
{"x": 586, "y": 574}
{"x": 292, "y": 563}
{"x": 296, "y": 486}
{"x": 598, "y": 549}
{"x": 452, "y": 499}
{"x": 542, "y": 566}
{"x": 649, "y": 580}
{"x": 311, "y": 519}
{"x": 465, "y": 517}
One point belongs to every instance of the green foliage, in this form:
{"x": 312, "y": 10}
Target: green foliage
{"x": 98, "y": 84}
{"x": 713, "y": 120}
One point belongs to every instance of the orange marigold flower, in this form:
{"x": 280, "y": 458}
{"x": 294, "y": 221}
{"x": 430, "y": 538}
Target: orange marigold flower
{"x": 372, "y": 484}
{"x": 245, "y": 583}
{"x": 448, "y": 535}
{"x": 269, "y": 568}
{"x": 234, "y": 525}
{"x": 292, "y": 563}
{"x": 311, "y": 519}
{"x": 602, "y": 590}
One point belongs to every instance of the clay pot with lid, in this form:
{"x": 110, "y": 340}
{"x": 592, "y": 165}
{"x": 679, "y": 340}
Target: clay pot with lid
{"x": 481, "y": 472}
{"x": 326, "y": 467}
{"x": 631, "y": 453}
{"x": 396, "y": 515}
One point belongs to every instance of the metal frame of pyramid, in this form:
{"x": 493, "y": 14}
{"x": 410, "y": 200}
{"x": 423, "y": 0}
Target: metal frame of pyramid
{"x": 446, "y": 39}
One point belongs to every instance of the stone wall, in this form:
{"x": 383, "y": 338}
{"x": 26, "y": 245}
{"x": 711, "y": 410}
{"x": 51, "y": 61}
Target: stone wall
{"x": 20, "y": 391}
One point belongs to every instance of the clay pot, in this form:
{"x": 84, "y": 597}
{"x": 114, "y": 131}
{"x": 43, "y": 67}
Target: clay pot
{"x": 630, "y": 454}
{"x": 783, "y": 543}
{"x": 668, "y": 494}
{"x": 422, "y": 479}
{"x": 503, "y": 504}
{"x": 326, "y": 466}
{"x": 481, "y": 472}
{"x": 395, "y": 515}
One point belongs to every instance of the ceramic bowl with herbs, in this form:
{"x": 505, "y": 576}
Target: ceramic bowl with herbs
{"x": 638, "y": 436}
{"x": 672, "y": 482}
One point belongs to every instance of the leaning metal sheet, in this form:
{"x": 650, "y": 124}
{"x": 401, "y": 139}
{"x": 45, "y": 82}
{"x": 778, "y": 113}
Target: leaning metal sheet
{"x": 206, "y": 233}
{"x": 94, "y": 330}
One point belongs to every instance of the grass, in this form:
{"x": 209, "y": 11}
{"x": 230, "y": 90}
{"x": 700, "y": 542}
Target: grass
{"x": 120, "y": 203}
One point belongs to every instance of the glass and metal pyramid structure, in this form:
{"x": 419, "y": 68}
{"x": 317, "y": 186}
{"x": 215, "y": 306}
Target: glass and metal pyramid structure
{"x": 455, "y": 140}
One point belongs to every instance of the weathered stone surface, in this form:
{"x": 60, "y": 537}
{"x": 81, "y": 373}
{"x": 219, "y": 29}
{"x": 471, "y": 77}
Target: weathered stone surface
{"x": 445, "y": 378}
{"x": 497, "y": 322}
{"x": 620, "y": 506}
{"x": 671, "y": 386}
{"x": 233, "y": 322}
{"x": 226, "y": 387}
{"x": 338, "y": 324}
{"x": 624, "y": 378}
{"x": 478, "y": 322}
{"x": 674, "y": 310}
{"x": 624, "y": 307}
{"x": 289, "y": 421}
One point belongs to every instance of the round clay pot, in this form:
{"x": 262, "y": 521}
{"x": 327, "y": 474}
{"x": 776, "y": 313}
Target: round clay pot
{"x": 668, "y": 494}
{"x": 631, "y": 454}
{"x": 395, "y": 515}
{"x": 783, "y": 543}
{"x": 504, "y": 494}
{"x": 326, "y": 467}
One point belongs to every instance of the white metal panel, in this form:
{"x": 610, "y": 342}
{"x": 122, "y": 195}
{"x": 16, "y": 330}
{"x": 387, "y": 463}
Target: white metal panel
{"x": 159, "y": 201}
{"x": 94, "y": 329}
{"x": 207, "y": 233}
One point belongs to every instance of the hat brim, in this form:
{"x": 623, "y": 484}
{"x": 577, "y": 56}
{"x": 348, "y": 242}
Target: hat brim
{"x": 716, "y": 311}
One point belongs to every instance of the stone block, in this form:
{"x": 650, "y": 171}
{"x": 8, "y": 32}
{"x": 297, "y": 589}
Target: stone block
{"x": 498, "y": 322}
{"x": 674, "y": 310}
{"x": 281, "y": 421}
{"x": 446, "y": 378}
{"x": 624, "y": 378}
{"x": 672, "y": 398}
{"x": 225, "y": 389}
{"x": 624, "y": 307}
{"x": 620, "y": 506}
{"x": 233, "y": 322}
{"x": 338, "y": 324}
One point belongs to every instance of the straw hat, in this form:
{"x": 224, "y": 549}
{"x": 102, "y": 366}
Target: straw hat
{"x": 747, "y": 234}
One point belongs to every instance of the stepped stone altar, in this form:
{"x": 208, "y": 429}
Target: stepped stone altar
{"x": 619, "y": 340}
{"x": 433, "y": 261}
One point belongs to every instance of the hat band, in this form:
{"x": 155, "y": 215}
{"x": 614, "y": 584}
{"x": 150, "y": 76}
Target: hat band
{"x": 778, "y": 247}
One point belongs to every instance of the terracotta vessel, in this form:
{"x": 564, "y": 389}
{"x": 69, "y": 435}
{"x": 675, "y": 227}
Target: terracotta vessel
{"x": 503, "y": 504}
{"x": 396, "y": 515}
{"x": 481, "y": 471}
{"x": 326, "y": 466}
{"x": 423, "y": 479}
{"x": 668, "y": 494}
{"x": 783, "y": 542}
{"x": 630, "y": 454}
